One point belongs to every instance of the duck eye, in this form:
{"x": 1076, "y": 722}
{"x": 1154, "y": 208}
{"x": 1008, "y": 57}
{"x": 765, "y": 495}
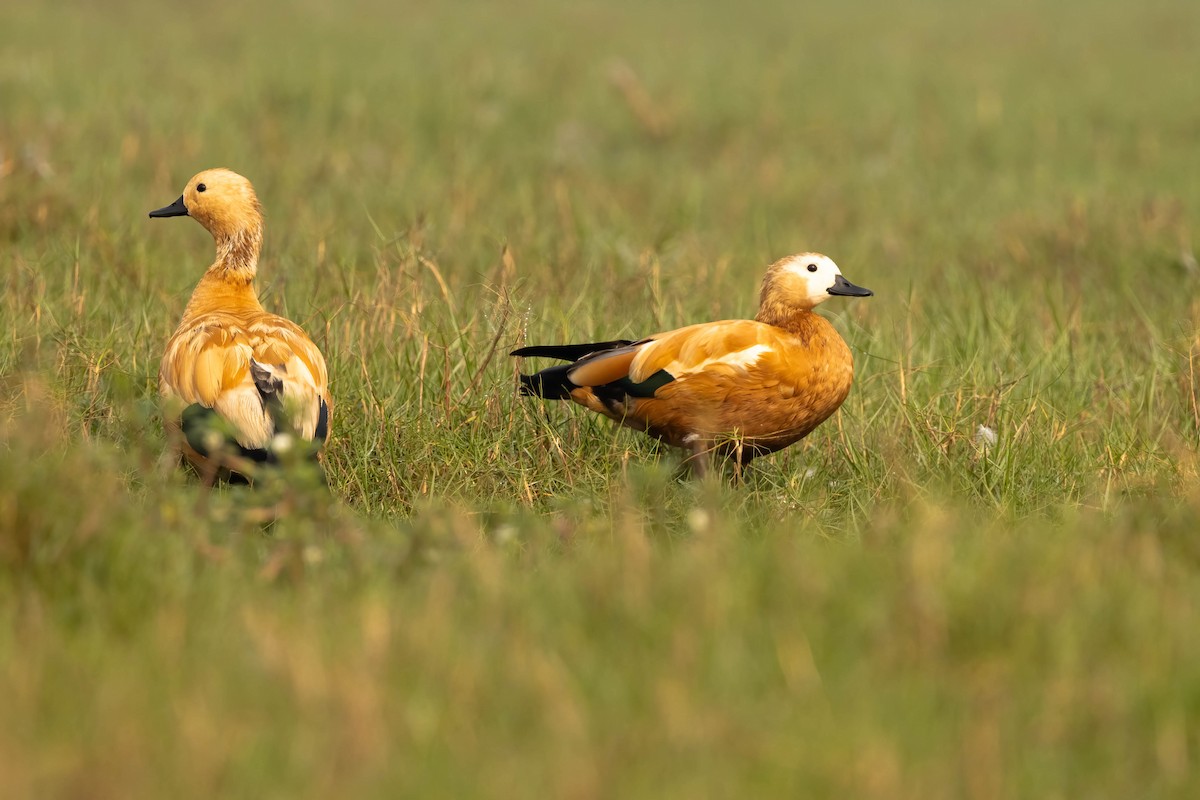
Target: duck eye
{"x": 811, "y": 267}
{"x": 200, "y": 187}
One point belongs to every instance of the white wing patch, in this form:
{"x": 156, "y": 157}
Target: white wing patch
{"x": 738, "y": 359}
{"x": 301, "y": 396}
{"x": 242, "y": 406}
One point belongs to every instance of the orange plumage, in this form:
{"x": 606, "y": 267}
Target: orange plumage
{"x": 255, "y": 372}
{"x": 742, "y": 387}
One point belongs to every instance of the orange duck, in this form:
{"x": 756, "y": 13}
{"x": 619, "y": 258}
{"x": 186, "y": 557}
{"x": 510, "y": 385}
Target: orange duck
{"x": 239, "y": 383}
{"x": 740, "y": 388}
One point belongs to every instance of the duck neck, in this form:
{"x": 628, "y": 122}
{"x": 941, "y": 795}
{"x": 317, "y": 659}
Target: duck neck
{"x": 796, "y": 320}
{"x": 229, "y": 283}
{"x": 237, "y": 254}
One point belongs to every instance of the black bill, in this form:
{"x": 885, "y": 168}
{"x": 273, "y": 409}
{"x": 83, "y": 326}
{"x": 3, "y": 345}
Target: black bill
{"x": 176, "y": 209}
{"x": 845, "y": 288}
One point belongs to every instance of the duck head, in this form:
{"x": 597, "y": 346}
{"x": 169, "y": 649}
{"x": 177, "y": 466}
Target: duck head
{"x": 805, "y": 280}
{"x": 226, "y": 205}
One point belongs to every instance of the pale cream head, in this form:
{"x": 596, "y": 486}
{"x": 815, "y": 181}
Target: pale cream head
{"x": 805, "y": 280}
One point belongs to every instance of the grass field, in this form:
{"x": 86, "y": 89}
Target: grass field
{"x": 502, "y": 599}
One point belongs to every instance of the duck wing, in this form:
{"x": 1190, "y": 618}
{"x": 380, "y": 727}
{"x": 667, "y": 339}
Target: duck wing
{"x": 593, "y": 364}
{"x": 261, "y": 376}
{"x": 767, "y": 383}
{"x": 729, "y": 348}
{"x": 640, "y": 369}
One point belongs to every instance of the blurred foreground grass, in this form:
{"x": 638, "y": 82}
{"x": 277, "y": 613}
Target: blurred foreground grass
{"x": 507, "y": 600}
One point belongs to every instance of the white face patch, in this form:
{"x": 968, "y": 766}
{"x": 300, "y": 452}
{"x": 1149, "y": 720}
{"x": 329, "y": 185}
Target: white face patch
{"x": 818, "y": 273}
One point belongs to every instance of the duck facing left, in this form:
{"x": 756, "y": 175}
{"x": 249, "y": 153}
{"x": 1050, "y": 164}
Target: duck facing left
{"x": 242, "y": 389}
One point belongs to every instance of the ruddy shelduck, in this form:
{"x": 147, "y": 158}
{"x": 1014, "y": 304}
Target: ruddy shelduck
{"x": 740, "y": 388}
{"x": 238, "y": 382}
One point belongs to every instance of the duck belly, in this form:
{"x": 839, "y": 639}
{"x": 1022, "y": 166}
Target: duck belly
{"x": 759, "y": 419}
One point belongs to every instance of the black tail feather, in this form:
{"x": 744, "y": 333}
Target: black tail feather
{"x": 322, "y": 432}
{"x": 567, "y": 352}
{"x": 551, "y": 383}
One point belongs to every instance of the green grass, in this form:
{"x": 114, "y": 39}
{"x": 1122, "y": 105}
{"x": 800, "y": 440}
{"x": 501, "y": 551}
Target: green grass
{"x": 503, "y": 599}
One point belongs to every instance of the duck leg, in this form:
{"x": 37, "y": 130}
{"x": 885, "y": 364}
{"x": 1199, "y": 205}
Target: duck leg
{"x": 699, "y": 448}
{"x": 739, "y": 462}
